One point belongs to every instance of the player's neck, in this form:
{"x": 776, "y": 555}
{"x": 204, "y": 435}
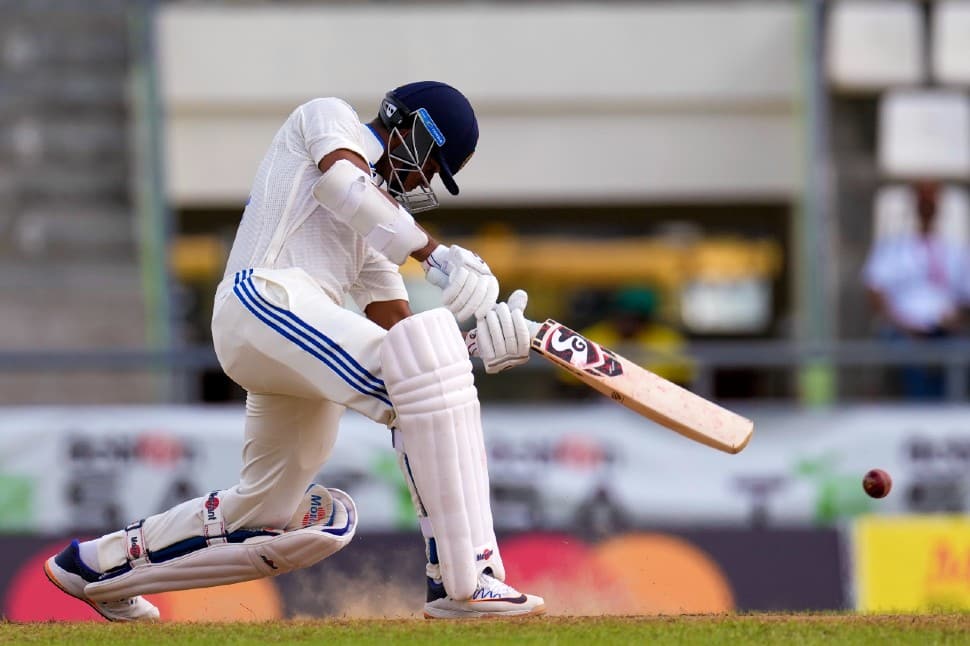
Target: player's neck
{"x": 378, "y": 129}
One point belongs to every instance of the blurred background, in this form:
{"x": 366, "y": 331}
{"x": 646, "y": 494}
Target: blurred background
{"x": 764, "y": 201}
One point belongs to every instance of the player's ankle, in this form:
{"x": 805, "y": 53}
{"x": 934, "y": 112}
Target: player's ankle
{"x": 436, "y": 590}
{"x": 88, "y": 553}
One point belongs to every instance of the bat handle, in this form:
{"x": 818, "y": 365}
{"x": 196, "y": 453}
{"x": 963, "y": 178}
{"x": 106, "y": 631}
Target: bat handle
{"x": 533, "y": 327}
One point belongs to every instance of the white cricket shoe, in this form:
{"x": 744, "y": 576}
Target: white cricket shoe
{"x": 492, "y": 598}
{"x": 68, "y": 572}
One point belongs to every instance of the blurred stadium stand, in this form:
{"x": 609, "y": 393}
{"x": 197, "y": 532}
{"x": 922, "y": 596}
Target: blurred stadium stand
{"x": 917, "y": 132}
{"x": 898, "y": 112}
{"x": 950, "y": 42}
{"x": 704, "y": 140}
{"x": 874, "y": 45}
{"x": 71, "y": 274}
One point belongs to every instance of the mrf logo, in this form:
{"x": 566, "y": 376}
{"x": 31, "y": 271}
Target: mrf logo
{"x": 211, "y": 505}
{"x": 576, "y": 350}
{"x": 485, "y": 555}
{"x": 317, "y": 511}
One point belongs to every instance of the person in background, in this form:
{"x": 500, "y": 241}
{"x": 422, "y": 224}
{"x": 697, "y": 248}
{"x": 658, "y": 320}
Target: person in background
{"x": 917, "y": 284}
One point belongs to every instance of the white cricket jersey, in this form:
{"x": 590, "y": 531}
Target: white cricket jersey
{"x": 284, "y": 226}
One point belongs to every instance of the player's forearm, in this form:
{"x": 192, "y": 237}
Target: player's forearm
{"x": 422, "y": 254}
{"x": 387, "y": 313}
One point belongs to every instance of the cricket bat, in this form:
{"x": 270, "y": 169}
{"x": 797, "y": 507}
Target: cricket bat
{"x": 640, "y": 390}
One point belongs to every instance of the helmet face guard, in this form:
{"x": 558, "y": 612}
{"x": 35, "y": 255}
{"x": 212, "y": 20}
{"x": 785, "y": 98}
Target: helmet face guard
{"x": 414, "y": 139}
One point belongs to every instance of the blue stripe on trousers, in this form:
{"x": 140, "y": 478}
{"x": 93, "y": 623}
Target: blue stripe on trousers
{"x": 350, "y": 364}
{"x": 310, "y": 345}
{"x": 354, "y": 368}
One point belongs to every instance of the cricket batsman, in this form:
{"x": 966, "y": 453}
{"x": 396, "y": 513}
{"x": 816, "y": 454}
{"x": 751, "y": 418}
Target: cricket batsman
{"x": 330, "y": 214}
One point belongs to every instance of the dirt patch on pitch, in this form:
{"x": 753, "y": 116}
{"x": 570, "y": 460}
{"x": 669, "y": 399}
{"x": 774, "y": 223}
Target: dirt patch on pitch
{"x": 943, "y": 621}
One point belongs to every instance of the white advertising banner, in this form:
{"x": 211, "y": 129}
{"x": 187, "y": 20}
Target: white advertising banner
{"x": 595, "y": 466}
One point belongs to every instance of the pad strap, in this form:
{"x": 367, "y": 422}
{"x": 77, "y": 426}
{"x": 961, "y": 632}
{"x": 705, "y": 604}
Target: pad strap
{"x": 137, "y": 551}
{"x": 213, "y": 524}
{"x": 249, "y": 555}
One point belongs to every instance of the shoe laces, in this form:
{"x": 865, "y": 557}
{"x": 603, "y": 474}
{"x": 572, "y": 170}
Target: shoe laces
{"x": 495, "y": 587}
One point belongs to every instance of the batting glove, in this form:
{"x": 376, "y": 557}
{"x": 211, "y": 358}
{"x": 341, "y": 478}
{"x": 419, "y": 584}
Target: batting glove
{"x": 467, "y": 284}
{"x": 502, "y": 338}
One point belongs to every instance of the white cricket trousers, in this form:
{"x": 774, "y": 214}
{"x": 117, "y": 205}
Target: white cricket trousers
{"x": 303, "y": 360}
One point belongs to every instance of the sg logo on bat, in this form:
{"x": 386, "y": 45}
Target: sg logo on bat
{"x": 576, "y": 350}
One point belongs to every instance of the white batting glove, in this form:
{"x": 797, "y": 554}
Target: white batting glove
{"x": 468, "y": 286}
{"x": 502, "y": 338}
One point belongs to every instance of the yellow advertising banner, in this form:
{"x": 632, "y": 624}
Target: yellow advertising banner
{"x": 912, "y": 563}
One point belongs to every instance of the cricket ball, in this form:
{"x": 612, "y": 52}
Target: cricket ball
{"x": 877, "y": 483}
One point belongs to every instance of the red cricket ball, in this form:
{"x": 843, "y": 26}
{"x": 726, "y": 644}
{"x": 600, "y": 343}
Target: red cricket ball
{"x": 877, "y": 483}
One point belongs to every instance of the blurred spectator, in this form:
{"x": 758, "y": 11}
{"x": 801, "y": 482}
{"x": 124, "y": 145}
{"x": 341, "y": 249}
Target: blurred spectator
{"x": 917, "y": 284}
{"x": 633, "y": 329}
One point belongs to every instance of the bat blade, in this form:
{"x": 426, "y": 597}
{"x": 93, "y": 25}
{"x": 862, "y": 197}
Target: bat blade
{"x": 642, "y": 391}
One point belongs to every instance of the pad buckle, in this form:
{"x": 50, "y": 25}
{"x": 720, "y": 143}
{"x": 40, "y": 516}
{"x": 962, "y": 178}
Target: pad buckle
{"x": 136, "y": 551}
{"x": 213, "y": 524}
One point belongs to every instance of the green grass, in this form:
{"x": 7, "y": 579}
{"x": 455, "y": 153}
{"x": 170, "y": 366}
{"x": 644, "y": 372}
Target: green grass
{"x": 545, "y": 631}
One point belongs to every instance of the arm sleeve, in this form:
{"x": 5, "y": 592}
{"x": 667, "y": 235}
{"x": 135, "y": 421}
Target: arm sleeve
{"x": 379, "y": 280}
{"x": 328, "y": 125}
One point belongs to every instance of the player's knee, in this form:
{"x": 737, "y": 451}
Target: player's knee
{"x": 324, "y": 522}
{"x": 265, "y": 515}
{"x": 246, "y": 507}
{"x": 269, "y": 511}
{"x": 425, "y": 363}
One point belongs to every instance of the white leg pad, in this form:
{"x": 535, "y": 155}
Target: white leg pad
{"x": 233, "y": 562}
{"x": 429, "y": 380}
